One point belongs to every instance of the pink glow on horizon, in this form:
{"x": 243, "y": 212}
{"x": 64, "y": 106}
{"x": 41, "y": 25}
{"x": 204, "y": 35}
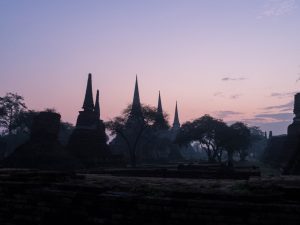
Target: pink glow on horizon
{"x": 185, "y": 49}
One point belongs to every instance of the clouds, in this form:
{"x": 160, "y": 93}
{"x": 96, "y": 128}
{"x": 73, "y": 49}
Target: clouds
{"x": 278, "y": 128}
{"x": 224, "y": 114}
{"x": 275, "y": 8}
{"x": 223, "y": 95}
{"x": 254, "y": 121}
{"x": 275, "y": 117}
{"x": 282, "y": 108}
{"x": 232, "y": 96}
{"x": 278, "y": 117}
{"x": 218, "y": 94}
{"x": 276, "y": 122}
{"x": 282, "y": 94}
{"x": 235, "y": 96}
{"x": 287, "y": 107}
{"x": 233, "y": 79}
{"x": 265, "y": 118}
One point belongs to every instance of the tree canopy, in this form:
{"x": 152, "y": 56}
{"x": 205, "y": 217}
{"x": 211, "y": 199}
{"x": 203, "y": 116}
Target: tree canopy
{"x": 11, "y": 105}
{"x": 208, "y": 132}
{"x": 214, "y": 136}
{"x": 133, "y": 133}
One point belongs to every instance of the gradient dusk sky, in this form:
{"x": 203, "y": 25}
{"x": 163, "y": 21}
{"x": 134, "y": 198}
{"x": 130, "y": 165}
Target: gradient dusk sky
{"x": 233, "y": 59}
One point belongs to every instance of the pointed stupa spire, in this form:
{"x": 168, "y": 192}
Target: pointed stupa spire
{"x": 159, "y": 106}
{"x": 88, "y": 103}
{"x": 160, "y": 121}
{"x": 136, "y": 96}
{"x": 136, "y": 109}
{"x": 97, "y": 105}
{"x": 176, "y": 123}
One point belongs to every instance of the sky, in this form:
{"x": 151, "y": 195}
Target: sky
{"x": 237, "y": 60}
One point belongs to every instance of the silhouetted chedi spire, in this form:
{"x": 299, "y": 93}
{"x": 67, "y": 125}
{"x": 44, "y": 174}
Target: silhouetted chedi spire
{"x": 88, "y": 118}
{"x": 136, "y": 110}
{"x": 88, "y": 103}
{"x": 159, "y": 106}
{"x": 88, "y": 140}
{"x": 176, "y": 123}
{"x": 97, "y": 105}
{"x": 159, "y": 118}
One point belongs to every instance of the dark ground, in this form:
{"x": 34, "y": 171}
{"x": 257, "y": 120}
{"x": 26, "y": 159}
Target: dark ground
{"x": 47, "y": 197}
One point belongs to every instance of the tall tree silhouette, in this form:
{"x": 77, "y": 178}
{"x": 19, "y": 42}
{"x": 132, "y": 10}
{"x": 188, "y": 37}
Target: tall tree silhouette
{"x": 208, "y": 132}
{"x": 238, "y": 140}
{"x": 133, "y": 133}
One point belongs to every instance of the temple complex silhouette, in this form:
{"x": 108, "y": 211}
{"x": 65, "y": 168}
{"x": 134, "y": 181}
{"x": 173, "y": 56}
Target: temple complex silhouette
{"x": 88, "y": 143}
{"x": 86, "y": 190}
{"x": 139, "y": 142}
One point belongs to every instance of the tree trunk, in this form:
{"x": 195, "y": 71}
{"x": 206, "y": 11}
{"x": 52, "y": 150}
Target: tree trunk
{"x": 220, "y": 154}
{"x": 230, "y": 158}
{"x": 209, "y": 153}
{"x": 243, "y": 155}
{"x": 10, "y": 124}
{"x": 134, "y": 150}
{"x": 131, "y": 151}
{"x": 133, "y": 160}
{"x": 209, "y": 156}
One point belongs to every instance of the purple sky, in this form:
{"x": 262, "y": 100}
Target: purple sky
{"x": 233, "y": 59}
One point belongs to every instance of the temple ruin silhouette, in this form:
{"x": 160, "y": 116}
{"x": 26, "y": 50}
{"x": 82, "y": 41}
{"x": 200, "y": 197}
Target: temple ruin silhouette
{"x": 284, "y": 150}
{"x": 88, "y": 140}
{"x": 43, "y": 150}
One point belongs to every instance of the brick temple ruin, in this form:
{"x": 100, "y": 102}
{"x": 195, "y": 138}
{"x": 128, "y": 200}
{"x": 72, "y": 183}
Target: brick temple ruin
{"x": 43, "y": 150}
{"x": 88, "y": 140}
{"x": 284, "y": 151}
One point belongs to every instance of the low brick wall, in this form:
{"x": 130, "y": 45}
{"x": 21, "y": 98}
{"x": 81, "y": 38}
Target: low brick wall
{"x": 43, "y": 197}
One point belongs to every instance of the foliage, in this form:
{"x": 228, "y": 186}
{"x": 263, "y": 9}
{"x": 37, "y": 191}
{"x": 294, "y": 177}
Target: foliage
{"x": 11, "y": 106}
{"x": 149, "y": 113}
{"x": 2, "y": 111}
{"x": 238, "y": 139}
{"x": 258, "y": 142}
{"x": 52, "y": 110}
{"x": 256, "y": 134}
{"x": 23, "y": 121}
{"x": 208, "y": 132}
{"x": 16, "y": 121}
{"x": 65, "y": 132}
{"x": 132, "y": 131}
{"x": 215, "y": 136}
